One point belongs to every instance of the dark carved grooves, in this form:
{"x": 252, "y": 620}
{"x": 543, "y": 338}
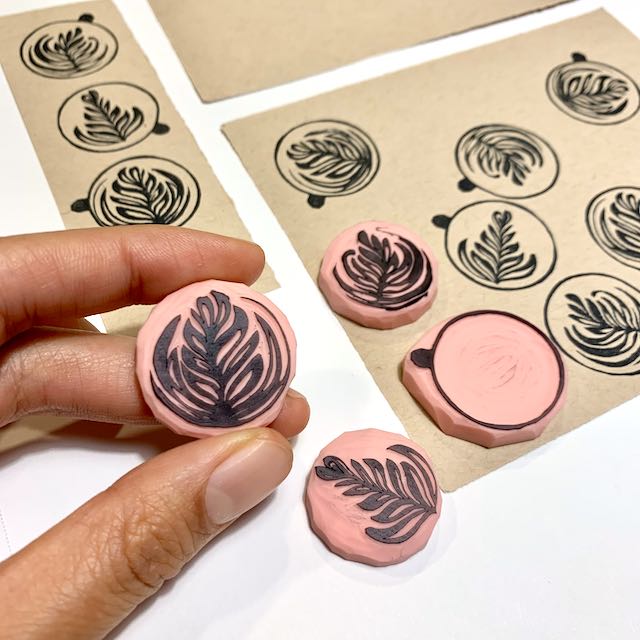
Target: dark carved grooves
{"x": 402, "y": 497}
{"x": 219, "y": 377}
{"x": 385, "y": 274}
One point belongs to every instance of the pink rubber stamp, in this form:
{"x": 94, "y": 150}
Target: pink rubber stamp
{"x": 215, "y": 356}
{"x": 372, "y": 497}
{"x": 378, "y": 274}
{"x": 488, "y": 377}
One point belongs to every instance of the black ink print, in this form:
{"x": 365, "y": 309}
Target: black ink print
{"x": 613, "y": 219}
{"x": 69, "y": 49}
{"x": 386, "y": 271}
{"x": 499, "y": 245}
{"x": 506, "y": 161}
{"x": 226, "y": 367}
{"x": 109, "y": 117}
{"x": 142, "y": 190}
{"x": 595, "y": 319}
{"x": 593, "y": 92}
{"x": 401, "y": 498}
{"x": 327, "y": 158}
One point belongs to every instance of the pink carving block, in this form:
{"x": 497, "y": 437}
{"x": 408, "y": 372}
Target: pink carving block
{"x": 378, "y": 274}
{"x": 488, "y": 377}
{"x": 215, "y": 356}
{"x": 372, "y": 497}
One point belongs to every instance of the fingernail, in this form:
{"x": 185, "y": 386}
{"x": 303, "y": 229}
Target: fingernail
{"x": 292, "y": 393}
{"x": 245, "y": 478}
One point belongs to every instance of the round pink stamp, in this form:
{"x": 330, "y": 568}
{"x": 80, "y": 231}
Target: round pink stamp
{"x": 372, "y": 497}
{"x": 215, "y": 356}
{"x": 378, "y": 274}
{"x": 489, "y": 377}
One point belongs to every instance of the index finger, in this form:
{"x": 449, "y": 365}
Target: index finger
{"x": 76, "y": 273}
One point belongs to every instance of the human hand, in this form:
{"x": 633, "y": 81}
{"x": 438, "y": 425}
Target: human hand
{"x": 86, "y": 574}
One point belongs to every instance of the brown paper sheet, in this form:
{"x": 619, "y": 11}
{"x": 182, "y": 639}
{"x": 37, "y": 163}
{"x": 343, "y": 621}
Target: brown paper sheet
{"x": 415, "y": 119}
{"x": 229, "y": 48}
{"x": 67, "y": 94}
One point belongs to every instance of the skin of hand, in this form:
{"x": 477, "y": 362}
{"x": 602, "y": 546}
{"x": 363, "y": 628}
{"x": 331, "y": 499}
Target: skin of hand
{"x": 81, "y": 578}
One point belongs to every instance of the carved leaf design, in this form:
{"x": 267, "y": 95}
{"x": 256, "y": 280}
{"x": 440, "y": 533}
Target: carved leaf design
{"x": 146, "y": 196}
{"x": 592, "y": 92}
{"x": 388, "y": 272}
{"x": 399, "y": 497}
{"x": 220, "y": 376}
{"x": 70, "y": 53}
{"x": 605, "y": 328}
{"x": 331, "y": 161}
{"x": 105, "y": 124}
{"x": 496, "y": 256}
{"x": 500, "y": 151}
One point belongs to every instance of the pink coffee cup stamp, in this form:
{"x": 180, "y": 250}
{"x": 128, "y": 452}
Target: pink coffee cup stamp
{"x": 378, "y": 274}
{"x": 489, "y": 377}
{"x": 372, "y": 497}
{"x": 215, "y": 356}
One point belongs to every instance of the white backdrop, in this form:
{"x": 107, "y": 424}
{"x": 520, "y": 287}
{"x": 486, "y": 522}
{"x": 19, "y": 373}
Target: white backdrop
{"x": 546, "y": 547}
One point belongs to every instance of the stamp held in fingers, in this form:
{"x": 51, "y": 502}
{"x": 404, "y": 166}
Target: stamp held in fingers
{"x": 215, "y": 356}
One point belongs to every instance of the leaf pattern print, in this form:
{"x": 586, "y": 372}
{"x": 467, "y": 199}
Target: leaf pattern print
{"x": 69, "y": 49}
{"x": 593, "y": 92}
{"x": 326, "y": 158}
{"x": 606, "y": 328}
{"x": 496, "y": 257}
{"x": 613, "y": 219}
{"x": 142, "y": 190}
{"x": 106, "y": 124}
{"x": 231, "y": 365}
{"x": 400, "y": 498}
{"x": 501, "y": 151}
{"x": 385, "y": 271}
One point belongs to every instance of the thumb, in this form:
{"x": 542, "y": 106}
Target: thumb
{"x": 86, "y": 574}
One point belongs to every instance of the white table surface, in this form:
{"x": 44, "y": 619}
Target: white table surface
{"x": 546, "y": 547}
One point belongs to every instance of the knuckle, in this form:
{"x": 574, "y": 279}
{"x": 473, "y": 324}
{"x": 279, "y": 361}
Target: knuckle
{"x": 154, "y": 541}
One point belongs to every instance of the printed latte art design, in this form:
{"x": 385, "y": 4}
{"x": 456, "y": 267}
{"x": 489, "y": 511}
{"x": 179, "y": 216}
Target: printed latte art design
{"x": 499, "y": 244}
{"x": 593, "y": 92}
{"x": 385, "y": 271}
{"x": 379, "y": 274}
{"x": 327, "y": 158}
{"x": 142, "y": 190}
{"x": 506, "y": 161}
{"x": 69, "y": 49}
{"x": 613, "y": 219}
{"x": 109, "y": 117}
{"x": 595, "y": 319}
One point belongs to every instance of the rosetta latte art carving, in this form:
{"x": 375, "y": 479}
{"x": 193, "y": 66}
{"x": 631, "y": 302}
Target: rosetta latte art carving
{"x": 400, "y": 498}
{"x": 593, "y": 92}
{"x": 142, "y": 190}
{"x": 327, "y": 158}
{"x": 595, "y": 319}
{"x": 221, "y": 366}
{"x": 385, "y": 271}
{"x": 69, "y": 49}
{"x": 506, "y": 161}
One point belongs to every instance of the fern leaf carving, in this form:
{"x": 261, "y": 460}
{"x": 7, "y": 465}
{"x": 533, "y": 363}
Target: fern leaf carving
{"x": 399, "y": 497}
